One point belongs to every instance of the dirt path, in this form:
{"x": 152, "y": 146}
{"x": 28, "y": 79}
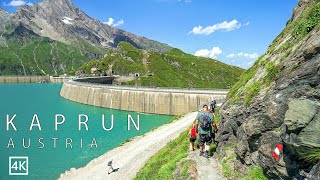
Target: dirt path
{"x": 131, "y": 157}
{"x": 207, "y": 168}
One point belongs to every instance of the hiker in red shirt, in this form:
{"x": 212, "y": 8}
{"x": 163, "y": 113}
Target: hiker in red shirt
{"x": 193, "y": 136}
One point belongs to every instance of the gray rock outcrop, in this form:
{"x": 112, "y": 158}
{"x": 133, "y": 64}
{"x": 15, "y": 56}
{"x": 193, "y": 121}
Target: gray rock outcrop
{"x": 286, "y": 110}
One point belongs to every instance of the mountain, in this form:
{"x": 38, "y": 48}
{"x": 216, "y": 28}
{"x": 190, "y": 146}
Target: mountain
{"x": 61, "y": 20}
{"x": 54, "y": 37}
{"x": 277, "y": 101}
{"x": 173, "y": 68}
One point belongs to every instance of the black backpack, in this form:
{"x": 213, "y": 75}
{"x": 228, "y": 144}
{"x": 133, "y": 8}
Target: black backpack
{"x": 206, "y": 121}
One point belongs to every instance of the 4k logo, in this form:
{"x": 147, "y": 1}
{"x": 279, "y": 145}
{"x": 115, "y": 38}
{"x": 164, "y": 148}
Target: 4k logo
{"x": 18, "y": 166}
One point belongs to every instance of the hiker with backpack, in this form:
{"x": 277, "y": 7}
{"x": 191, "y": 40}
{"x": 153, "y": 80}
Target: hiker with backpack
{"x": 204, "y": 123}
{"x": 213, "y": 105}
{"x": 193, "y": 136}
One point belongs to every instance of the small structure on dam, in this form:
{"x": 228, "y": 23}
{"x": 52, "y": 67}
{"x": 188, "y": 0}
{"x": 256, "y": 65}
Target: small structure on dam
{"x": 139, "y": 99}
{"x": 97, "y": 80}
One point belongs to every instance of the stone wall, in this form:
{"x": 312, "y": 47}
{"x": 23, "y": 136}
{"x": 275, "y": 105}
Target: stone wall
{"x": 146, "y": 100}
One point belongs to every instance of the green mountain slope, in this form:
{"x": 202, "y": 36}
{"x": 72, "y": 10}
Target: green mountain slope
{"x": 171, "y": 69}
{"x": 25, "y": 53}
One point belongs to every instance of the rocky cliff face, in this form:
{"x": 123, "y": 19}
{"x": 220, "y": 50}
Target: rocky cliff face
{"x": 278, "y": 101}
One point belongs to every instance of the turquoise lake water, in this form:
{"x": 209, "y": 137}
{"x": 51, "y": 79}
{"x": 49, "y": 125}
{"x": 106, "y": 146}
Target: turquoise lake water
{"x": 25, "y": 100}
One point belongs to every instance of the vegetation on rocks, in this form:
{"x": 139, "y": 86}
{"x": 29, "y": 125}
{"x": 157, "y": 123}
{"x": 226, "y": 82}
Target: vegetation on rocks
{"x": 272, "y": 71}
{"x": 251, "y": 91}
{"x": 171, "y": 69}
{"x": 286, "y": 80}
{"x": 297, "y": 30}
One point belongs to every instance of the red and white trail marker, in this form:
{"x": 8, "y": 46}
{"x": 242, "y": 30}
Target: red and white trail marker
{"x": 277, "y": 151}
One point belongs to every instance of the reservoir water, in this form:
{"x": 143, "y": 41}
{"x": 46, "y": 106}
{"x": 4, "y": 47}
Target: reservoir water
{"x": 50, "y": 158}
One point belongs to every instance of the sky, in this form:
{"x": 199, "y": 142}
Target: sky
{"x": 235, "y": 32}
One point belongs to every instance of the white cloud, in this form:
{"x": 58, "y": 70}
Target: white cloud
{"x": 244, "y": 55}
{"x": 119, "y": 23}
{"x": 227, "y": 26}
{"x": 111, "y": 22}
{"x": 209, "y": 53}
{"x": 16, "y": 3}
{"x": 247, "y": 23}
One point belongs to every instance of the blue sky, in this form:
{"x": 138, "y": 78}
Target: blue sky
{"x": 233, "y": 31}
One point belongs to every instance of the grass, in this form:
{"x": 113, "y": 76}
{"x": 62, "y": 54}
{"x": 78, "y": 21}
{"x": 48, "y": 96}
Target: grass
{"x": 227, "y": 171}
{"x": 217, "y": 117}
{"x": 163, "y": 164}
{"x": 231, "y": 146}
{"x": 272, "y": 73}
{"x": 212, "y": 149}
{"x": 171, "y": 69}
{"x": 309, "y": 19}
{"x": 251, "y": 91}
{"x": 184, "y": 169}
{"x": 254, "y": 173}
{"x": 53, "y": 57}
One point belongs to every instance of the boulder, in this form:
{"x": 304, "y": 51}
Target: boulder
{"x": 310, "y": 135}
{"x": 300, "y": 113}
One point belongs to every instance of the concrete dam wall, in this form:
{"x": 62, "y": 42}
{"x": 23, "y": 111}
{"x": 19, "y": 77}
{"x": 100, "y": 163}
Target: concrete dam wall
{"x": 24, "y": 79}
{"x": 146, "y": 100}
{"x": 33, "y": 79}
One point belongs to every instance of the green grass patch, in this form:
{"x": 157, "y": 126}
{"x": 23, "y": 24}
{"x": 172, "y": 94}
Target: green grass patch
{"x": 254, "y": 173}
{"x": 251, "y": 91}
{"x": 163, "y": 164}
{"x": 231, "y": 146}
{"x": 212, "y": 149}
{"x": 272, "y": 73}
{"x": 184, "y": 169}
{"x": 217, "y": 117}
{"x": 227, "y": 171}
{"x": 309, "y": 19}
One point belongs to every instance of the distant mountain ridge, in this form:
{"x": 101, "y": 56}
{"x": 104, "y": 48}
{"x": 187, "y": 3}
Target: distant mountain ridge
{"x": 62, "y": 20}
{"x": 54, "y": 37}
